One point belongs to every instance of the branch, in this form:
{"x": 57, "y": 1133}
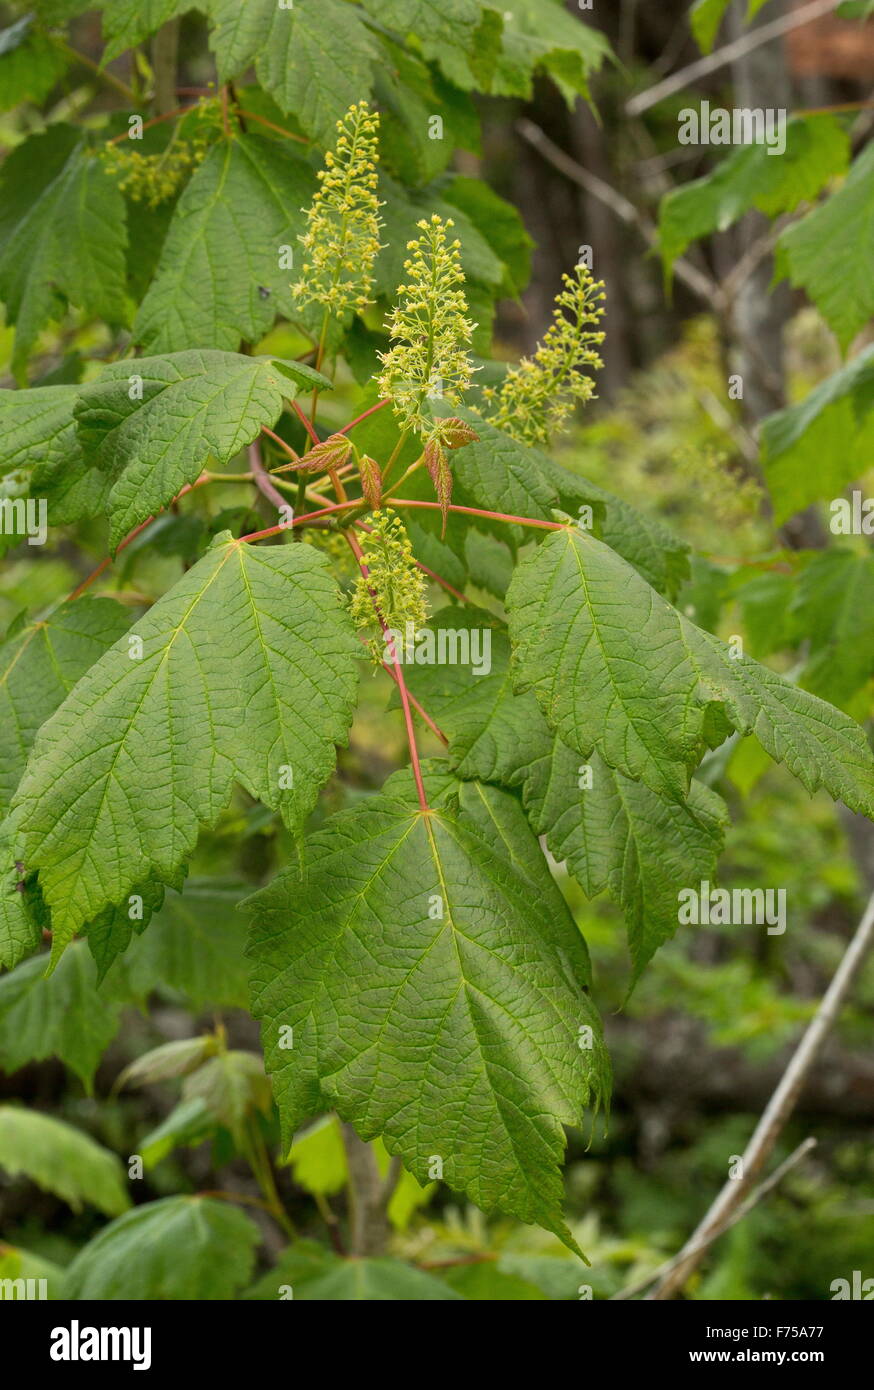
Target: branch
{"x": 714, "y": 61}
{"x": 399, "y": 677}
{"x": 262, "y": 478}
{"x": 705, "y": 1242}
{"x": 777, "y": 1111}
{"x": 363, "y": 416}
{"x": 368, "y": 1202}
{"x": 131, "y": 536}
{"x": 693, "y": 278}
{"x": 103, "y": 74}
{"x": 478, "y": 511}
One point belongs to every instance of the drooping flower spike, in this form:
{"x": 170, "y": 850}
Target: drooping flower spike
{"x": 537, "y": 396}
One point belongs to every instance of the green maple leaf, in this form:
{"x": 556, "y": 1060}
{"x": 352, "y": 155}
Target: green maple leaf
{"x": 127, "y": 23}
{"x": 153, "y": 423}
{"x": 62, "y": 1160}
{"x": 817, "y": 149}
{"x": 247, "y": 674}
{"x": 541, "y": 36}
{"x": 22, "y": 913}
{"x": 195, "y": 944}
{"x": 176, "y": 1248}
{"x": 616, "y": 669}
{"x": 500, "y": 224}
{"x": 813, "y": 449}
{"x": 622, "y": 836}
{"x": 834, "y": 609}
{"x": 314, "y": 57}
{"x": 411, "y": 950}
{"x": 241, "y": 208}
{"x": 447, "y": 31}
{"x": 614, "y": 834}
{"x": 38, "y": 427}
{"x": 60, "y": 1015}
{"x": 39, "y": 441}
{"x": 379, "y": 1280}
{"x": 654, "y": 551}
{"x": 828, "y": 253}
{"x": 40, "y": 662}
{"x": 62, "y": 236}
{"x": 111, "y": 931}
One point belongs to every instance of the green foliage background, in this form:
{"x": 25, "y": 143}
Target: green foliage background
{"x": 140, "y": 1042}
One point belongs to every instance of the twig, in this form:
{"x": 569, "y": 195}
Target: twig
{"x": 261, "y": 120}
{"x": 621, "y": 207}
{"x": 363, "y": 416}
{"x": 262, "y": 478}
{"x": 778, "y": 1109}
{"x": 368, "y": 1221}
{"x": 131, "y": 536}
{"x": 399, "y": 677}
{"x": 155, "y": 120}
{"x": 292, "y": 453}
{"x": 714, "y": 61}
{"x": 101, "y": 72}
{"x": 753, "y": 1200}
{"x": 306, "y": 422}
{"x": 479, "y": 511}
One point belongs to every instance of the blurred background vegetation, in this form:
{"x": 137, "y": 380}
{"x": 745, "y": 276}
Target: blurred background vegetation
{"x": 704, "y": 1037}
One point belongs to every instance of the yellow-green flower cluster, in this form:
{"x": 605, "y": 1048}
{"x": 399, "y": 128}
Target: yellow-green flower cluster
{"x": 393, "y": 582}
{"x": 430, "y": 330}
{"x": 154, "y": 178}
{"x": 538, "y": 395}
{"x": 342, "y": 237}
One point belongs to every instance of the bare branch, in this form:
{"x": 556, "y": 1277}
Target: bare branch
{"x": 777, "y": 1111}
{"x": 712, "y": 62}
{"x": 703, "y": 1244}
{"x": 694, "y": 279}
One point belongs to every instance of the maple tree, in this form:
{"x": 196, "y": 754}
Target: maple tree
{"x": 415, "y": 969}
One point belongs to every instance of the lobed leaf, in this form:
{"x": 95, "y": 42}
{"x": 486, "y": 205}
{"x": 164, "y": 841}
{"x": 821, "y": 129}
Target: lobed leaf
{"x": 153, "y": 424}
{"x": 247, "y": 673}
{"x": 61, "y": 1159}
{"x": 432, "y": 1003}
{"x": 176, "y": 1248}
{"x": 616, "y": 669}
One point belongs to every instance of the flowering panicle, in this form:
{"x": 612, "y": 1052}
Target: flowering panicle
{"x": 156, "y": 178}
{"x": 342, "y": 237}
{"x": 430, "y": 330}
{"x": 538, "y": 395}
{"x": 393, "y": 582}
